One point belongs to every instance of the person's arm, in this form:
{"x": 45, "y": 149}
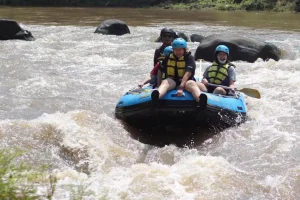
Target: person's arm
{"x": 156, "y": 56}
{"x": 189, "y": 71}
{"x": 232, "y": 77}
{"x": 155, "y": 69}
{"x": 231, "y": 84}
{"x": 161, "y": 70}
{"x": 159, "y": 75}
{"x": 144, "y": 82}
{"x": 183, "y": 82}
{"x": 185, "y": 79}
{"x": 204, "y": 80}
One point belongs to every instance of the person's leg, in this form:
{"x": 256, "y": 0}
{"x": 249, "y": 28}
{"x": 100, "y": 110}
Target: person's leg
{"x": 153, "y": 81}
{"x": 165, "y": 86}
{"x": 202, "y": 87}
{"x": 192, "y": 87}
{"x": 219, "y": 90}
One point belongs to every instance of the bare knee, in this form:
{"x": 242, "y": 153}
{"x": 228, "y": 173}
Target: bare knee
{"x": 190, "y": 84}
{"x": 167, "y": 84}
{"x": 202, "y": 87}
{"x": 164, "y": 82}
{"x": 219, "y": 90}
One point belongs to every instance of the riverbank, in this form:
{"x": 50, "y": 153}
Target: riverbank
{"x": 226, "y": 5}
{"x": 232, "y": 5}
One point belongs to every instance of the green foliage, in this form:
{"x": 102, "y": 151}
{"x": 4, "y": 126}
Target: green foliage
{"x": 19, "y": 181}
{"x": 14, "y": 178}
{"x": 249, "y": 5}
{"x": 52, "y": 186}
{"x": 207, "y": 3}
{"x": 227, "y": 7}
{"x": 296, "y": 6}
{"x": 284, "y": 5}
{"x": 80, "y": 191}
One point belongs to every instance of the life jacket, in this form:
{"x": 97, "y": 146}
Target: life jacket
{"x": 218, "y": 74}
{"x": 176, "y": 66}
{"x": 161, "y": 58}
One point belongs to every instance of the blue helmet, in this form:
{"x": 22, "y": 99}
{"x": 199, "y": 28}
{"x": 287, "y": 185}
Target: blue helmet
{"x": 168, "y": 50}
{"x": 179, "y": 43}
{"x": 222, "y": 48}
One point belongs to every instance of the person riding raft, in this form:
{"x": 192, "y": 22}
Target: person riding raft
{"x": 221, "y": 72}
{"x": 179, "y": 69}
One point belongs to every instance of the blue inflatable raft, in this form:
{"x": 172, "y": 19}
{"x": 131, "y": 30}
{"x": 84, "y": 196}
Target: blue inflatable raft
{"x": 136, "y": 108}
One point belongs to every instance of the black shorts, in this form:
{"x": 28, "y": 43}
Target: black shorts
{"x": 179, "y": 82}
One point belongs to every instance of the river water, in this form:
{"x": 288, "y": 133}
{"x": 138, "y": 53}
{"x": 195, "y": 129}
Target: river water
{"x": 58, "y": 94}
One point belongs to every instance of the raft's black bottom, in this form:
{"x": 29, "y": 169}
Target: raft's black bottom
{"x": 181, "y": 135}
{"x": 165, "y": 114}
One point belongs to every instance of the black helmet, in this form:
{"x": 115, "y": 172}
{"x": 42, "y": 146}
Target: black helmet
{"x": 166, "y": 30}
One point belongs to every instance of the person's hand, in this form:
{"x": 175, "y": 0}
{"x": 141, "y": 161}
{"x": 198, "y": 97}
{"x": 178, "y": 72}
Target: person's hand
{"x": 231, "y": 92}
{"x": 204, "y": 81}
{"x": 180, "y": 92}
{"x": 140, "y": 85}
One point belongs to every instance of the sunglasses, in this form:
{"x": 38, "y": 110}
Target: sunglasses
{"x": 167, "y": 36}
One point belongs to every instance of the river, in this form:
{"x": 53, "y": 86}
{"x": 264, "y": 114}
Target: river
{"x": 58, "y": 94}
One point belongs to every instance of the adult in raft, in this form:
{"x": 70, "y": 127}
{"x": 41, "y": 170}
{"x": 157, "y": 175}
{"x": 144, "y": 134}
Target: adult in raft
{"x": 179, "y": 69}
{"x": 167, "y": 36}
{"x": 221, "y": 72}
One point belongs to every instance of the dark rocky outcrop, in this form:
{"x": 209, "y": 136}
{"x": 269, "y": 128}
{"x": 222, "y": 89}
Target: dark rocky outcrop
{"x": 196, "y": 38}
{"x": 113, "y": 27}
{"x": 241, "y": 48}
{"x": 10, "y": 30}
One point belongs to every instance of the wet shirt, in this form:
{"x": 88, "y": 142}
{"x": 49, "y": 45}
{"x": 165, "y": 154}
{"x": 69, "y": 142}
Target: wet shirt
{"x": 158, "y": 53}
{"x": 190, "y": 64}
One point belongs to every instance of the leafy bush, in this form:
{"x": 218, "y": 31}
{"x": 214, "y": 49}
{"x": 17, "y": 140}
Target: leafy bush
{"x": 227, "y": 7}
{"x": 19, "y": 181}
{"x": 251, "y": 5}
{"x": 296, "y": 6}
{"x": 14, "y": 178}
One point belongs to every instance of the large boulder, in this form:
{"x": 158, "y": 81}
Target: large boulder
{"x": 196, "y": 38}
{"x": 112, "y": 27}
{"x": 183, "y": 35}
{"x": 10, "y": 29}
{"x": 241, "y": 48}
